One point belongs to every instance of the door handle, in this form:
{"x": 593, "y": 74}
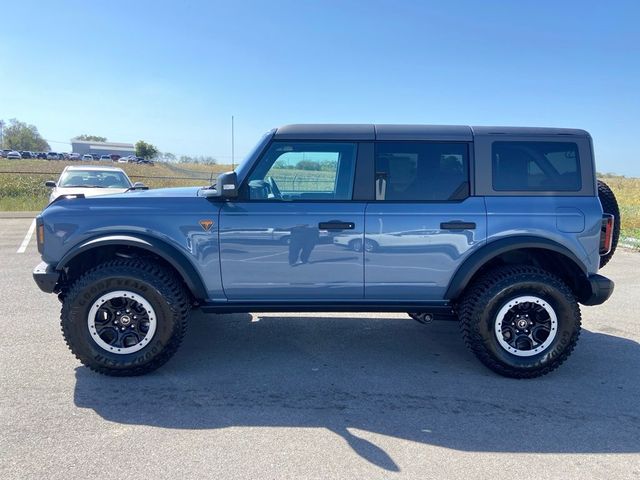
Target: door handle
{"x": 336, "y": 225}
{"x": 457, "y": 225}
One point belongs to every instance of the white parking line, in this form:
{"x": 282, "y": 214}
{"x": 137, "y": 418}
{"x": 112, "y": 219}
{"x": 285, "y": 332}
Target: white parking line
{"x": 27, "y": 238}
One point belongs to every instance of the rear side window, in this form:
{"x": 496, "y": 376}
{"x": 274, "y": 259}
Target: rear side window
{"x": 536, "y": 166}
{"x": 421, "y": 171}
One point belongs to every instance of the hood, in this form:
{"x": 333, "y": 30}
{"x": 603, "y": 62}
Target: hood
{"x": 161, "y": 192}
{"x": 133, "y": 199}
{"x": 87, "y": 192}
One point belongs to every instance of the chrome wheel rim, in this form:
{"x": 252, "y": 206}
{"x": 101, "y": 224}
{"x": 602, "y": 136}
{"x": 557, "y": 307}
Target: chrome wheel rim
{"x": 526, "y": 326}
{"x": 121, "y": 322}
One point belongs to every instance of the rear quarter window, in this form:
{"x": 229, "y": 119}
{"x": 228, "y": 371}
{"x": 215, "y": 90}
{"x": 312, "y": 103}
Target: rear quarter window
{"x": 535, "y": 166}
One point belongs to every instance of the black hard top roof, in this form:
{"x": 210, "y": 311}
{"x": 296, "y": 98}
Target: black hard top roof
{"x": 336, "y": 131}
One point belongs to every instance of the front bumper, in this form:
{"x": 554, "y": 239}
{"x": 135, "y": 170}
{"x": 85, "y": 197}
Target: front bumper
{"x": 601, "y": 290}
{"x": 46, "y": 277}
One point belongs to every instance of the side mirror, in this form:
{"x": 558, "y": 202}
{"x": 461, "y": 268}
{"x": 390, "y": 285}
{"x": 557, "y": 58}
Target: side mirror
{"x": 226, "y": 186}
{"x": 139, "y": 186}
{"x": 50, "y": 184}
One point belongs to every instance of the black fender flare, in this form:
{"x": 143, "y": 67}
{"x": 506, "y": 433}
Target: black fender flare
{"x": 162, "y": 249}
{"x": 480, "y": 257}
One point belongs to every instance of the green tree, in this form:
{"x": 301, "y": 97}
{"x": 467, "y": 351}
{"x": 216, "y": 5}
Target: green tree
{"x": 307, "y": 165}
{"x": 146, "y": 150}
{"x": 90, "y": 138}
{"x": 328, "y": 165}
{"x": 21, "y": 136}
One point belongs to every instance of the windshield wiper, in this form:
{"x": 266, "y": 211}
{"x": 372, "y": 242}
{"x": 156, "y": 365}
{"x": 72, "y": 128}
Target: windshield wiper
{"x": 82, "y": 186}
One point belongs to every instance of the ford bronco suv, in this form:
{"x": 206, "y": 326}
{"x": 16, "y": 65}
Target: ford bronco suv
{"x": 501, "y": 228}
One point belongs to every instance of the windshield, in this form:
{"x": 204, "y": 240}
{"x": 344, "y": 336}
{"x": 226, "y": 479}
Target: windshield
{"x": 243, "y": 168}
{"x": 94, "y": 179}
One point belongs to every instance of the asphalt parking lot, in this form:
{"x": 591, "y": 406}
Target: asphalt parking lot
{"x": 279, "y": 396}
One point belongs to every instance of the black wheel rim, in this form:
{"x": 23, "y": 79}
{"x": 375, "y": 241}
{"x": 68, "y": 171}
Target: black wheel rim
{"x": 526, "y": 326}
{"x": 121, "y": 322}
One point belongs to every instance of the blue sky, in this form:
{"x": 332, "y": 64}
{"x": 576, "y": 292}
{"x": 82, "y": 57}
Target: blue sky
{"x": 173, "y": 73}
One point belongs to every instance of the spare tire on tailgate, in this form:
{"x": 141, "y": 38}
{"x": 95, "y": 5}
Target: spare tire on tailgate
{"x": 610, "y": 206}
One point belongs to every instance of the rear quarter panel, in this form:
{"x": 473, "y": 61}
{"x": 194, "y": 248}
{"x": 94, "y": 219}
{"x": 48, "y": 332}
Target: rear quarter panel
{"x": 573, "y": 222}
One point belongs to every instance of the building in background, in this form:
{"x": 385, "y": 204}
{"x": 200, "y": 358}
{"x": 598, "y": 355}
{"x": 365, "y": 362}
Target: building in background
{"x": 102, "y": 148}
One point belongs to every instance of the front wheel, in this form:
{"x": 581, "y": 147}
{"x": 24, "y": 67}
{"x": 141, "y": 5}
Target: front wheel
{"x": 125, "y": 317}
{"x": 520, "y": 321}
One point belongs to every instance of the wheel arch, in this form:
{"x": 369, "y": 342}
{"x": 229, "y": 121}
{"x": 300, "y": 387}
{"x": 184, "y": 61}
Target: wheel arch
{"x": 528, "y": 250}
{"x": 94, "y": 250}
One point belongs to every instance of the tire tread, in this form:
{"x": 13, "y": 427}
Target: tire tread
{"x": 610, "y": 206}
{"x": 477, "y": 296}
{"x": 160, "y": 277}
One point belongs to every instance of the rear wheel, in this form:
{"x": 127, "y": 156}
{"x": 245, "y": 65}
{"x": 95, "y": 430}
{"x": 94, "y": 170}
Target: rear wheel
{"x": 520, "y": 321}
{"x": 610, "y": 206}
{"x": 125, "y": 317}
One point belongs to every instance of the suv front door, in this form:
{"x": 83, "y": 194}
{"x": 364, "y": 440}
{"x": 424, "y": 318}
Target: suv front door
{"x": 277, "y": 239}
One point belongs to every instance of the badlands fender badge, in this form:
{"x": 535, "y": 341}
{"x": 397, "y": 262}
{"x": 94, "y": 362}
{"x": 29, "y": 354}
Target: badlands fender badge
{"x": 206, "y": 224}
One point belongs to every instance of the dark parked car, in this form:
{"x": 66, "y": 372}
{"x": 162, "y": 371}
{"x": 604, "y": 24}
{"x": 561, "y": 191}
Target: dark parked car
{"x": 26, "y": 154}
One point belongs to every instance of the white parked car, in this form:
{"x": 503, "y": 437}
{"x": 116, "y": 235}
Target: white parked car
{"x": 91, "y": 181}
{"x": 87, "y": 158}
{"x": 404, "y": 239}
{"x": 14, "y": 155}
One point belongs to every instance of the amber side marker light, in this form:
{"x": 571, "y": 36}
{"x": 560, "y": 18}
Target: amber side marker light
{"x": 40, "y": 237}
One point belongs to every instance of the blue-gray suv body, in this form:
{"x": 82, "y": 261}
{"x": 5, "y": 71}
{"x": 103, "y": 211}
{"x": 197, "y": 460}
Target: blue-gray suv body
{"x": 502, "y": 228}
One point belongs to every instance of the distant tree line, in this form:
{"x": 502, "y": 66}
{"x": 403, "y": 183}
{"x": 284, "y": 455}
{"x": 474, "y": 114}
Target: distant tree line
{"x": 322, "y": 166}
{"x": 90, "y": 138}
{"x": 200, "y": 159}
{"x": 17, "y": 135}
{"x": 21, "y": 136}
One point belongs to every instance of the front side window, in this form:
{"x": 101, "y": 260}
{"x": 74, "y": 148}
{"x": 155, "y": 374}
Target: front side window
{"x": 536, "y": 166}
{"x": 304, "y": 171}
{"x": 421, "y": 171}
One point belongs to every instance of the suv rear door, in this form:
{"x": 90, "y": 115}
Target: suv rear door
{"x": 276, "y": 240}
{"x": 424, "y": 221}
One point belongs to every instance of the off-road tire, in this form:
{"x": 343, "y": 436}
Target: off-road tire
{"x": 610, "y": 206}
{"x": 483, "y": 300}
{"x": 158, "y": 285}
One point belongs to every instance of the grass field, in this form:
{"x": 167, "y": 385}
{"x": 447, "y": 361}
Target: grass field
{"x": 627, "y": 191}
{"x": 24, "y": 190}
